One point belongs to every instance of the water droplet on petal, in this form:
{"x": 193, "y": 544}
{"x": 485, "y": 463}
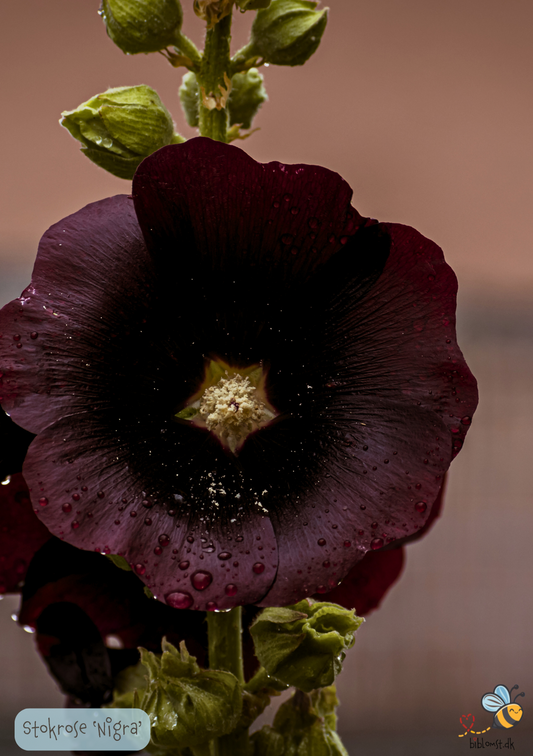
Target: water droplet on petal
{"x": 201, "y": 580}
{"x": 179, "y": 600}
{"x": 75, "y": 525}
{"x": 321, "y": 541}
{"x": 183, "y": 565}
{"x": 34, "y": 335}
{"x": 347, "y": 544}
{"x": 258, "y": 568}
{"x": 67, "y": 508}
{"x": 231, "y": 589}
{"x": 140, "y": 569}
{"x": 158, "y": 551}
{"x": 164, "y": 539}
{"x": 224, "y": 555}
{"x": 211, "y": 606}
{"x": 421, "y": 506}
{"x": 376, "y": 543}
{"x": 43, "y": 501}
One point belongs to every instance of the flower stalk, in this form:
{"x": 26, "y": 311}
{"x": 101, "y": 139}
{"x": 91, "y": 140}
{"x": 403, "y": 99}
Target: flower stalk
{"x": 225, "y": 652}
{"x": 214, "y": 82}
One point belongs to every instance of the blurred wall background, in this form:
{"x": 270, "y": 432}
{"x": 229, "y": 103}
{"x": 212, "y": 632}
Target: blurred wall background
{"x": 426, "y": 109}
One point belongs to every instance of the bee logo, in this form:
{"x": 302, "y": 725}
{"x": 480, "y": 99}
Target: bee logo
{"x": 507, "y": 713}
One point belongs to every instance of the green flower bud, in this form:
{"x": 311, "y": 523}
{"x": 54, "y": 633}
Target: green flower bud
{"x": 119, "y": 128}
{"x": 303, "y": 726}
{"x": 142, "y": 26}
{"x": 288, "y": 32}
{"x": 189, "y": 93}
{"x": 246, "y": 97}
{"x": 187, "y": 705}
{"x": 252, "y": 4}
{"x": 304, "y": 645}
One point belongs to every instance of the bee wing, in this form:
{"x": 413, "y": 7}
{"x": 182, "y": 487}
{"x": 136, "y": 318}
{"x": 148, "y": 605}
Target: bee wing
{"x": 492, "y": 702}
{"x": 502, "y": 691}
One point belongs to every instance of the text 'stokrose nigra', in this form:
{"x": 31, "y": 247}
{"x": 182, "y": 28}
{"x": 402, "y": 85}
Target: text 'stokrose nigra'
{"x": 342, "y": 398}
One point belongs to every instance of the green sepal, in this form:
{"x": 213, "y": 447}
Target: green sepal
{"x": 187, "y": 413}
{"x": 252, "y": 4}
{"x": 304, "y": 645}
{"x": 142, "y": 26}
{"x": 120, "y": 127}
{"x": 288, "y": 32}
{"x": 246, "y": 97}
{"x": 303, "y": 726}
{"x": 188, "y": 706}
{"x": 189, "y": 93}
{"x": 119, "y": 562}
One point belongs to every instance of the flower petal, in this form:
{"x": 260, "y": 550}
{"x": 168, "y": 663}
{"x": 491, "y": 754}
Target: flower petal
{"x": 54, "y": 353}
{"x": 190, "y": 534}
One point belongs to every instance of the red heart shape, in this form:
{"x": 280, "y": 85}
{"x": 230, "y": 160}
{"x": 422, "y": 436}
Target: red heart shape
{"x": 467, "y": 720}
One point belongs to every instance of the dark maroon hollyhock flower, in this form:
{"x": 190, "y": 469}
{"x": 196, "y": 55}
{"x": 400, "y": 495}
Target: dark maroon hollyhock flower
{"x": 366, "y": 585}
{"x": 343, "y": 327}
{"x": 79, "y": 603}
{"x": 21, "y": 533}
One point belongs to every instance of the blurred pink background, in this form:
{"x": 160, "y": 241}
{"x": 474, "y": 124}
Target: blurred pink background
{"x": 425, "y": 108}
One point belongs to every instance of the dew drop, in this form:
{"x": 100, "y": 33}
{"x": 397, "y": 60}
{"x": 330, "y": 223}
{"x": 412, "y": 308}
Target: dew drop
{"x": 179, "y": 600}
{"x": 158, "y": 551}
{"x": 43, "y": 501}
{"x": 133, "y": 513}
{"x": 365, "y": 447}
{"x": 147, "y": 521}
{"x": 326, "y": 564}
{"x": 75, "y": 525}
{"x": 201, "y": 580}
{"x": 100, "y": 494}
{"x": 164, "y": 539}
{"x": 361, "y": 532}
{"x": 322, "y": 589}
{"x": 347, "y": 544}
{"x": 183, "y": 565}
{"x": 321, "y": 541}
{"x": 421, "y": 506}
{"x": 190, "y": 539}
{"x": 75, "y": 497}
{"x": 224, "y": 555}
{"x": 34, "y": 335}
{"x": 140, "y": 569}
{"x": 211, "y": 606}
{"x": 374, "y": 525}
{"x": 362, "y": 506}
{"x": 258, "y": 568}
{"x": 231, "y": 589}
{"x": 466, "y": 420}
{"x": 376, "y": 543}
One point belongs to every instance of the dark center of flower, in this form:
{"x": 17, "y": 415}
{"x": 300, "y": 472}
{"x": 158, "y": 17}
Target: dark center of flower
{"x": 231, "y": 403}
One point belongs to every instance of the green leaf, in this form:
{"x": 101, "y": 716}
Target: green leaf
{"x": 188, "y": 706}
{"x": 304, "y": 645}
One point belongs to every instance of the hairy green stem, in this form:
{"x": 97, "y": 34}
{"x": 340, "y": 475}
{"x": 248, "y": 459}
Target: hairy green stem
{"x": 224, "y": 631}
{"x": 213, "y": 85}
